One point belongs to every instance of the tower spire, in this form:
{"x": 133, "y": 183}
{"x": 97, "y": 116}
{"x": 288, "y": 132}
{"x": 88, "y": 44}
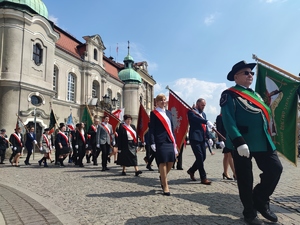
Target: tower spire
{"x": 128, "y": 47}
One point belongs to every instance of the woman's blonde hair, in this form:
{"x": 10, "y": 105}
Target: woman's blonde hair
{"x": 160, "y": 97}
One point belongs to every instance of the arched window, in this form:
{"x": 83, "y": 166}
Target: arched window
{"x": 37, "y": 55}
{"x": 95, "y": 54}
{"x": 71, "y": 87}
{"x": 109, "y": 93}
{"x": 95, "y": 89}
{"x": 119, "y": 101}
{"x": 55, "y": 79}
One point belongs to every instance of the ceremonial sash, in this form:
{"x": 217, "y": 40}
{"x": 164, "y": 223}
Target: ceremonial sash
{"x": 165, "y": 124}
{"x": 46, "y": 140}
{"x": 260, "y": 105}
{"x": 3, "y": 138}
{"x": 131, "y": 133}
{"x": 107, "y": 130}
{"x": 82, "y": 136}
{"x": 18, "y": 139}
{"x": 94, "y": 128}
{"x": 64, "y": 136}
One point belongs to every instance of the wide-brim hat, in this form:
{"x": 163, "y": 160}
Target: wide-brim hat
{"x": 238, "y": 66}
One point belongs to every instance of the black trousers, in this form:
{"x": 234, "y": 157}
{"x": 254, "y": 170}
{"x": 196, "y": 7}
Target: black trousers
{"x": 270, "y": 165}
{"x": 104, "y": 149}
{"x": 29, "y": 152}
{"x": 95, "y": 153}
{"x": 200, "y": 154}
{"x": 2, "y": 155}
{"x": 179, "y": 158}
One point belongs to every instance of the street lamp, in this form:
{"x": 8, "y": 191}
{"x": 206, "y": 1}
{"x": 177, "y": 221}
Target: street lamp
{"x": 105, "y": 98}
{"x": 114, "y": 101}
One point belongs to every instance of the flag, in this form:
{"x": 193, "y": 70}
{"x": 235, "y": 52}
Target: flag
{"x": 119, "y": 113}
{"x": 52, "y": 122}
{"x": 19, "y": 124}
{"x": 70, "y": 122}
{"x": 142, "y": 123}
{"x": 179, "y": 114}
{"x": 114, "y": 121}
{"x": 280, "y": 93}
{"x": 86, "y": 118}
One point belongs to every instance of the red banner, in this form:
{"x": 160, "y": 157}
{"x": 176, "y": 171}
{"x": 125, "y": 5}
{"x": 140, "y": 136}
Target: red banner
{"x": 180, "y": 119}
{"x": 113, "y": 121}
{"x": 142, "y": 123}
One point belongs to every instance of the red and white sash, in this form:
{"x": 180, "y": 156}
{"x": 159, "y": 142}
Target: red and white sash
{"x": 46, "y": 140}
{"x": 18, "y": 139}
{"x": 166, "y": 126}
{"x": 94, "y": 128}
{"x": 131, "y": 132}
{"x": 64, "y": 136}
{"x": 107, "y": 130}
{"x": 82, "y": 136}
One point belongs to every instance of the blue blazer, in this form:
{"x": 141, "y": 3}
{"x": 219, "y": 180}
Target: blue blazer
{"x": 29, "y": 141}
{"x": 157, "y": 131}
{"x": 196, "y": 131}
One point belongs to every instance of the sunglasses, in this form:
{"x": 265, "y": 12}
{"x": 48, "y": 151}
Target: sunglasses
{"x": 247, "y": 73}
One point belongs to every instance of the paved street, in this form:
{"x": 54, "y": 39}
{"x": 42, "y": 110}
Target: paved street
{"x": 73, "y": 195}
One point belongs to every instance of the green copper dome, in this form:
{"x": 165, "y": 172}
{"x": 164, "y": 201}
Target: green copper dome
{"x": 129, "y": 75}
{"x": 36, "y": 5}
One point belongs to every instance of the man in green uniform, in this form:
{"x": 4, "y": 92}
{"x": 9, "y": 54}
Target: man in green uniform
{"x": 246, "y": 119}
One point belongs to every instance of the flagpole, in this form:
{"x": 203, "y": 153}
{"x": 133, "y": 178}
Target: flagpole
{"x": 274, "y": 67}
{"x": 193, "y": 111}
{"x": 88, "y": 110}
{"x": 112, "y": 115}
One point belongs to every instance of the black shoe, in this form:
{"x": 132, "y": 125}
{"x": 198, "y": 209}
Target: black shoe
{"x": 166, "y": 193}
{"x": 115, "y": 161}
{"x": 123, "y": 173}
{"x": 26, "y": 163}
{"x": 137, "y": 173}
{"x": 40, "y": 163}
{"x": 103, "y": 169}
{"x": 88, "y": 161}
{"x": 266, "y": 212}
{"x": 179, "y": 168}
{"x": 108, "y": 159}
{"x": 81, "y": 165}
{"x": 95, "y": 164}
{"x": 253, "y": 221}
{"x": 106, "y": 168}
{"x": 2, "y": 163}
{"x": 149, "y": 168}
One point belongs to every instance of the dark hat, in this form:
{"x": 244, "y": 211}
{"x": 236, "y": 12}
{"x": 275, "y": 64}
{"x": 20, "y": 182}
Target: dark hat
{"x": 3, "y": 130}
{"x": 238, "y": 66}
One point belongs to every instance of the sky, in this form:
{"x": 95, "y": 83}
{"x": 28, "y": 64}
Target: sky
{"x": 189, "y": 45}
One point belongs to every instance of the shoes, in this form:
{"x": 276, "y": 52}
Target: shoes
{"x": 95, "y": 164}
{"x": 166, "y": 193}
{"x": 108, "y": 159}
{"x": 137, "y": 173}
{"x": 146, "y": 160}
{"x": 123, "y": 173}
{"x": 2, "y": 163}
{"x": 45, "y": 165}
{"x": 106, "y": 168}
{"x": 88, "y": 161}
{"x": 234, "y": 177}
{"x": 179, "y": 168}
{"x": 115, "y": 161}
{"x": 103, "y": 169}
{"x": 40, "y": 163}
{"x": 52, "y": 161}
{"x": 17, "y": 166}
{"x": 266, "y": 212}
{"x": 206, "y": 182}
{"x": 253, "y": 221}
{"x": 225, "y": 176}
{"x": 191, "y": 175}
{"x": 81, "y": 165}
{"x": 26, "y": 163}
{"x": 149, "y": 168}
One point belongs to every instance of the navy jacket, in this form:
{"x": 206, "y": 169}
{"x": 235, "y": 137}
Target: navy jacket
{"x": 29, "y": 141}
{"x": 196, "y": 131}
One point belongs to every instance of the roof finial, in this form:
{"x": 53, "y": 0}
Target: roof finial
{"x": 128, "y": 47}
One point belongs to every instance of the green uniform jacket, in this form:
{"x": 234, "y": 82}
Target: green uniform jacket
{"x": 244, "y": 122}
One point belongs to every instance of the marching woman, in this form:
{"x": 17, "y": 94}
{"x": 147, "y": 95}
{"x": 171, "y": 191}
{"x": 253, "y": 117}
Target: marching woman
{"x": 46, "y": 147}
{"x": 62, "y": 144}
{"x": 162, "y": 140}
{"x": 80, "y": 143}
{"x": 127, "y": 146}
{"x": 17, "y": 144}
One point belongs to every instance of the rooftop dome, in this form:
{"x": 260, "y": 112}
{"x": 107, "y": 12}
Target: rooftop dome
{"x": 36, "y": 5}
{"x": 129, "y": 75}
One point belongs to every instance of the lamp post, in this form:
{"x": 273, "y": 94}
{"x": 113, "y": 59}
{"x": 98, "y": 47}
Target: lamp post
{"x": 114, "y": 102}
{"x": 105, "y": 98}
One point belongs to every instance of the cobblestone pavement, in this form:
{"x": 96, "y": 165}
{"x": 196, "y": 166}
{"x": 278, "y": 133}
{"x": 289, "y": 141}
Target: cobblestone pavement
{"x": 73, "y": 195}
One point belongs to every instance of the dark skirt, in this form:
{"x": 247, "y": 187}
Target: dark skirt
{"x": 165, "y": 152}
{"x": 226, "y": 150}
{"x": 64, "y": 151}
{"x": 127, "y": 156}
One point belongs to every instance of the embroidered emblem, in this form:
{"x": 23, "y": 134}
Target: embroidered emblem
{"x": 223, "y": 99}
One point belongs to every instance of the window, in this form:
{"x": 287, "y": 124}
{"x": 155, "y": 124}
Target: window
{"x": 71, "y": 87}
{"x": 96, "y": 54}
{"x": 36, "y": 100}
{"x": 95, "y": 89}
{"x": 37, "y": 54}
{"x": 119, "y": 101}
{"x": 55, "y": 78}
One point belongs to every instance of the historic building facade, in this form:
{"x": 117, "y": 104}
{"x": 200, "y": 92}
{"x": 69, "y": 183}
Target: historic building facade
{"x": 44, "y": 67}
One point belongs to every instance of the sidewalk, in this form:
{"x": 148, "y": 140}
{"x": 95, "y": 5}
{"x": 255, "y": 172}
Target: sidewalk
{"x": 73, "y": 195}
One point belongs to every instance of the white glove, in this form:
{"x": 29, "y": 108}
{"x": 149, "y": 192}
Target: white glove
{"x": 209, "y": 124}
{"x": 35, "y": 142}
{"x": 153, "y": 147}
{"x": 243, "y": 150}
{"x": 41, "y": 148}
{"x": 98, "y": 145}
{"x": 113, "y": 143}
{"x": 76, "y": 146}
{"x": 12, "y": 147}
{"x": 210, "y": 142}
{"x": 6, "y": 139}
{"x": 86, "y": 145}
{"x": 222, "y": 144}
{"x": 15, "y": 148}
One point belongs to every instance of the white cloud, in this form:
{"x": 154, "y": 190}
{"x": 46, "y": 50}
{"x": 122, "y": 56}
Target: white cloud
{"x": 53, "y": 19}
{"x": 190, "y": 89}
{"x": 210, "y": 19}
{"x": 273, "y": 1}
